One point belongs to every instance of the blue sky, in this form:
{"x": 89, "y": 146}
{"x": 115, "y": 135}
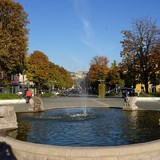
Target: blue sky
{"x": 72, "y": 32}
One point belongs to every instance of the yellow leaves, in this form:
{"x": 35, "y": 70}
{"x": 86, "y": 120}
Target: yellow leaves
{"x": 98, "y": 68}
{"x": 98, "y": 71}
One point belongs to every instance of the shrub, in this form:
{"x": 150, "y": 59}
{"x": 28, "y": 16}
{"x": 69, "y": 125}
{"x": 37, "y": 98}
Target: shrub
{"x": 9, "y": 96}
{"x": 150, "y": 94}
{"x": 45, "y": 95}
{"x": 155, "y": 94}
{"x": 111, "y": 94}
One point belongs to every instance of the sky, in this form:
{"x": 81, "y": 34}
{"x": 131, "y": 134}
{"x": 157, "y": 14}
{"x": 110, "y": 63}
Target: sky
{"x": 72, "y": 32}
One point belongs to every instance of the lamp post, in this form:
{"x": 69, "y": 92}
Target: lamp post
{"x": 116, "y": 89}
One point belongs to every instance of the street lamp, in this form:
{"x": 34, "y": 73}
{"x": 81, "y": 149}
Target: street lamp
{"x": 116, "y": 89}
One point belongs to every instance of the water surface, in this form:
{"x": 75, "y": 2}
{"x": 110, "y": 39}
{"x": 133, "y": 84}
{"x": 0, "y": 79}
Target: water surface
{"x": 98, "y": 127}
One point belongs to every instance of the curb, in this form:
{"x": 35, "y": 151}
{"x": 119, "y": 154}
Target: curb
{"x": 12, "y": 101}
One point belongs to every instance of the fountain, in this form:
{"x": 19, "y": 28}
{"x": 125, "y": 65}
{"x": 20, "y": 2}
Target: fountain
{"x": 98, "y": 127}
{"x": 103, "y": 133}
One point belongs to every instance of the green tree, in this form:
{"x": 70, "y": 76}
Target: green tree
{"x": 13, "y": 37}
{"x": 138, "y": 44}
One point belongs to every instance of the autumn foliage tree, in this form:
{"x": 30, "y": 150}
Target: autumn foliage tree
{"x": 13, "y": 37}
{"x": 45, "y": 73}
{"x": 98, "y": 70}
{"x": 38, "y": 68}
{"x": 138, "y": 44}
{"x": 113, "y": 77}
{"x": 155, "y": 61}
{"x": 59, "y": 76}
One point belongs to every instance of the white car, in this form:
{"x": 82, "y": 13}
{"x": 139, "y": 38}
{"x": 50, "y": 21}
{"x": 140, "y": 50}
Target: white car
{"x": 56, "y": 93}
{"x": 19, "y": 93}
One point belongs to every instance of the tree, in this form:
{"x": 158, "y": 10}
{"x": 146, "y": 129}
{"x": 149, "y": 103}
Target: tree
{"x": 138, "y": 43}
{"x": 129, "y": 70}
{"x": 59, "y": 77}
{"x": 45, "y": 73}
{"x": 38, "y": 68}
{"x": 13, "y": 37}
{"x": 113, "y": 75}
{"x": 65, "y": 78}
{"x": 98, "y": 70}
{"x": 114, "y": 80}
{"x": 155, "y": 61}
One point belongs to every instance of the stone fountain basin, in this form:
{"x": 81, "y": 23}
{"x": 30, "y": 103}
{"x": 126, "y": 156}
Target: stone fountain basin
{"x": 32, "y": 151}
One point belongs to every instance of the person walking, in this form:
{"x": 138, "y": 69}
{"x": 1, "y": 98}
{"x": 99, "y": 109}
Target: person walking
{"x": 28, "y": 95}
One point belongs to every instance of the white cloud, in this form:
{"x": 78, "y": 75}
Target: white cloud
{"x": 82, "y": 11}
{"x": 87, "y": 28}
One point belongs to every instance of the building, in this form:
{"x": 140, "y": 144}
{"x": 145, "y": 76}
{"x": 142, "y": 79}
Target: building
{"x": 18, "y": 83}
{"x": 78, "y": 75}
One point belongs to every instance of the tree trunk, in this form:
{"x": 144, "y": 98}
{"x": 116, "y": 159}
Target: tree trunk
{"x": 146, "y": 86}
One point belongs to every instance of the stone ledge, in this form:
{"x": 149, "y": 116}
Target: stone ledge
{"x": 148, "y": 98}
{"x": 12, "y": 101}
{"x": 143, "y": 151}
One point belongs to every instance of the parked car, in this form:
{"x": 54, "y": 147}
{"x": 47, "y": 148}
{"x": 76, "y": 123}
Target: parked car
{"x": 19, "y": 93}
{"x": 56, "y": 93}
{"x": 129, "y": 91}
{"x": 65, "y": 93}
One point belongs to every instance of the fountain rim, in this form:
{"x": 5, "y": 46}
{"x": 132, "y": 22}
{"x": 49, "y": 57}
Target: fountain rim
{"x": 53, "y": 150}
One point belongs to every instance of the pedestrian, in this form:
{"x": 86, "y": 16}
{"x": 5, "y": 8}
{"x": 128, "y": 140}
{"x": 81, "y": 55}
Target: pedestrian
{"x": 28, "y": 95}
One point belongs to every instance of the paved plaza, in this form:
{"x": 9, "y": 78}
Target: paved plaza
{"x": 89, "y": 101}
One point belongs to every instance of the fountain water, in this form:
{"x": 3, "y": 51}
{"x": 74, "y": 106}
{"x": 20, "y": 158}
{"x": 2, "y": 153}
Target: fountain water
{"x": 99, "y": 127}
{"x": 66, "y": 103}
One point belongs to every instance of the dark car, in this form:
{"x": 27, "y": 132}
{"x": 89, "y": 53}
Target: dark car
{"x": 127, "y": 91}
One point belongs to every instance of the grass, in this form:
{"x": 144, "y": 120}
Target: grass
{"x": 46, "y": 95}
{"x": 9, "y": 96}
{"x": 157, "y": 94}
